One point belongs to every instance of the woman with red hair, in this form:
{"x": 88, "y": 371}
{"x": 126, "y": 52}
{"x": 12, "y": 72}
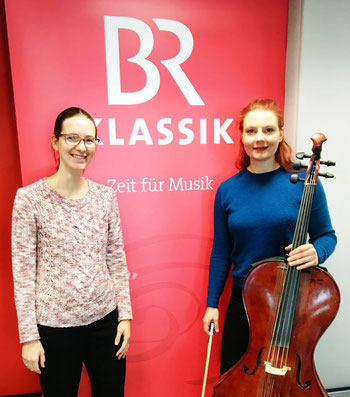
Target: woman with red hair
{"x": 255, "y": 214}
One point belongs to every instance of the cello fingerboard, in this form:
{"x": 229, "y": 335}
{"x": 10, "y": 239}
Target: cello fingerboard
{"x": 289, "y": 294}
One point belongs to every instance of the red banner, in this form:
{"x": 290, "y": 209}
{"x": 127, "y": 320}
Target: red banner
{"x": 164, "y": 81}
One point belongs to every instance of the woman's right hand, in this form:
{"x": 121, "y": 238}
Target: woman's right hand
{"x": 32, "y": 354}
{"x": 211, "y": 316}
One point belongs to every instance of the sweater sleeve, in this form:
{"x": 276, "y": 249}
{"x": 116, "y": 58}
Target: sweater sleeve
{"x": 321, "y": 232}
{"x": 116, "y": 261}
{"x": 24, "y": 243}
{"x": 220, "y": 260}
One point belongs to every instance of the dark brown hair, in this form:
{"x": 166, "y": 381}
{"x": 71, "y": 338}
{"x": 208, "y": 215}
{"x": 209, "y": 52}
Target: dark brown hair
{"x": 66, "y": 114}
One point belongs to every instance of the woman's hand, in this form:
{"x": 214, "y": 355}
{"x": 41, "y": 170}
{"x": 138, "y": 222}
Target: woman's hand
{"x": 211, "y": 316}
{"x": 123, "y": 330}
{"x": 33, "y": 354}
{"x": 303, "y": 256}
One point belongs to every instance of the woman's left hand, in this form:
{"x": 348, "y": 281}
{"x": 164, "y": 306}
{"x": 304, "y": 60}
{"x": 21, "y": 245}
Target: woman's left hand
{"x": 123, "y": 330}
{"x": 303, "y": 256}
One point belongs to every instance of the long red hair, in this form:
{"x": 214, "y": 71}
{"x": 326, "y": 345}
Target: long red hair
{"x": 283, "y": 154}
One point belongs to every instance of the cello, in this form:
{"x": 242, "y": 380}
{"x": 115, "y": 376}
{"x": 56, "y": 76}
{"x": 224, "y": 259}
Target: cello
{"x": 288, "y": 310}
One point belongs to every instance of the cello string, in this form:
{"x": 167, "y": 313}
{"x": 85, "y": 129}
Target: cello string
{"x": 281, "y": 280}
{"x": 300, "y": 227}
{"x": 276, "y": 348}
{"x": 282, "y": 316}
{"x": 291, "y": 278}
{"x": 283, "y": 300}
{"x": 269, "y": 382}
{"x": 291, "y": 282}
{"x": 272, "y": 347}
{"x": 283, "y": 325}
{"x": 303, "y": 236}
{"x": 283, "y": 287}
{"x": 269, "y": 387}
{"x": 269, "y": 379}
{"x": 292, "y": 270}
{"x": 264, "y": 387}
{"x": 280, "y": 323}
{"x": 295, "y": 274}
{"x": 277, "y": 337}
{"x": 301, "y": 239}
{"x": 289, "y": 316}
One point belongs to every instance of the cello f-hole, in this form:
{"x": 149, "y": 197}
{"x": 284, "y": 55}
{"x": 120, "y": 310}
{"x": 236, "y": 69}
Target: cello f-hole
{"x": 306, "y": 385}
{"x": 246, "y": 369}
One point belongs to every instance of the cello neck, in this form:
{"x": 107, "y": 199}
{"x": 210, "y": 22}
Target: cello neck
{"x": 301, "y": 228}
{"x": 300, "y": 233}
{"x": 285, "y": 313}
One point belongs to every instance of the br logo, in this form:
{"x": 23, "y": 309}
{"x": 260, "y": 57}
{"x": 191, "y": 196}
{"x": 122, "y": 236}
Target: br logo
{"x": 115, "y": 94}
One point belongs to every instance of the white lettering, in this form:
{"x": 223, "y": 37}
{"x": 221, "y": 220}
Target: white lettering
{"x": 220, "y": 130}
{"x": 112, "y": 182}
{"x": 115, "y": 94}
{"x": 151, "y": 185}
{"x": 113, "y": 140}
{"x": 97, "y": 122}
{"x": 165, "y": 131}
{"x": 173, "y": 65}
{"x": 140, "y": 133}
{"x": 186, "y": 131}
{"x": 129, "y": 186}
{"x": 173, "y": 186}
{"x": 181, "y": 184}
{"x": 203, "y": 131}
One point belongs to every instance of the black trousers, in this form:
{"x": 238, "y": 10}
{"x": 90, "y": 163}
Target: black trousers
{"x": 235, "y": 337}
{"x": 67, "y": 348}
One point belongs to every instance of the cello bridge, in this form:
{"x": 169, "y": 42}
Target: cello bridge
{"x": 276, "y": 371}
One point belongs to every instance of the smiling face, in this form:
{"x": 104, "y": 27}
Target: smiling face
{"x": 261, "y": 137}
{"x": 75, "y": 158}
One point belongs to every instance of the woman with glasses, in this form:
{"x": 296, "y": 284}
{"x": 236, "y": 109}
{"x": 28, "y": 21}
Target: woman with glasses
{"x": 70, "y": 274}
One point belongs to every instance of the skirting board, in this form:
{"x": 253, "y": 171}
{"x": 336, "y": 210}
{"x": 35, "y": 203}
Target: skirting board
{"x": 333, "y": 393}
{"x": 339, "y": 393}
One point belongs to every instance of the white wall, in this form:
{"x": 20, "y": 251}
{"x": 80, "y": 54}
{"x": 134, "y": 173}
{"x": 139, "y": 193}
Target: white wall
{"x": 317, "y": 100}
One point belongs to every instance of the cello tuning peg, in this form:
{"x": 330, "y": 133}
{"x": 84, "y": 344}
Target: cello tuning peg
{"x": 326, "y": 175}
{"x": 298, "y": 165}
{"x": 294, "y": 178}
{"x": 328, "y": 163}
{"x": 302, "y": 155}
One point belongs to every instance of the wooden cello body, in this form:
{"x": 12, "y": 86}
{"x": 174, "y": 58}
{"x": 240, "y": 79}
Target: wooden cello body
{"x": 288, "y": 310}
{"x": 317, "y": 304}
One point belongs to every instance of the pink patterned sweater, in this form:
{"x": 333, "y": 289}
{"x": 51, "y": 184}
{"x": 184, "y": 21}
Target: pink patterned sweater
{"x": 68, "y": 258}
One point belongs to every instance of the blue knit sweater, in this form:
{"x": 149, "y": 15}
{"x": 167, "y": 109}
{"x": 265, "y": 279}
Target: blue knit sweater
{"x": 254, "y": 219}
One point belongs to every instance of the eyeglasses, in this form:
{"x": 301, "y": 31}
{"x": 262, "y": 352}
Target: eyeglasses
{"x": 74, "y": 140}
